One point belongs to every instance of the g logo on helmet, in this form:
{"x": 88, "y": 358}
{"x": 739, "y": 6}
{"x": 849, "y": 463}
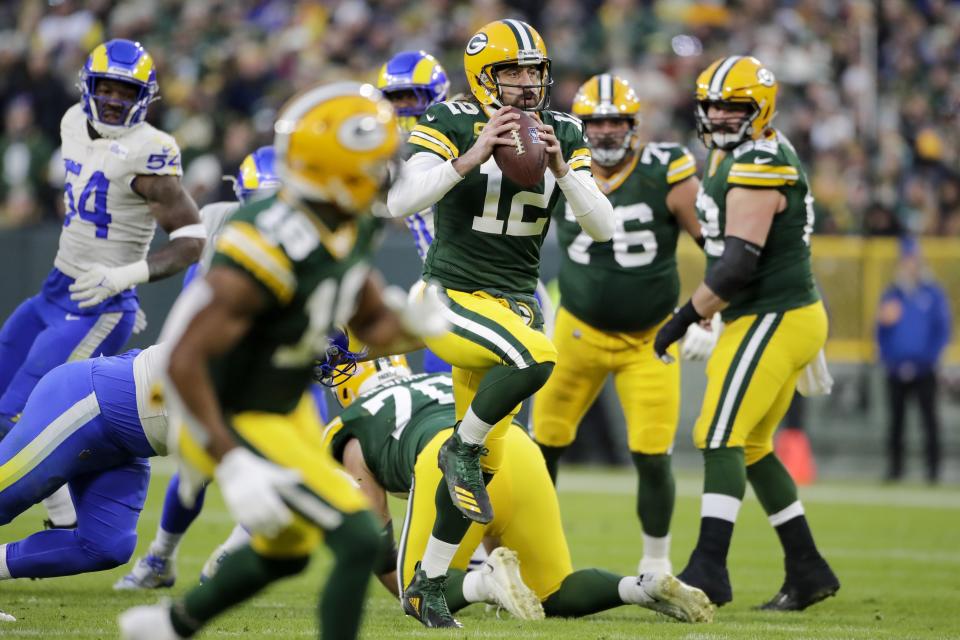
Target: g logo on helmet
{"x": 477, "y": 44}
{"x": 766, "y": 77}
{"x": 361, "y": 133}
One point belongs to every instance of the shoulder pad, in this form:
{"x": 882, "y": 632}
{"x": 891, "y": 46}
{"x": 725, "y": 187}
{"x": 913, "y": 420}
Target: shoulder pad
{"x": 675, "y": 158}
{"x": 153, "y": 152}
{"x": 760, "y": 164}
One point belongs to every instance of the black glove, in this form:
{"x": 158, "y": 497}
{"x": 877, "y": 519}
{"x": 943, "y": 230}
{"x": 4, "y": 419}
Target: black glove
{"x": 674, "y": 329}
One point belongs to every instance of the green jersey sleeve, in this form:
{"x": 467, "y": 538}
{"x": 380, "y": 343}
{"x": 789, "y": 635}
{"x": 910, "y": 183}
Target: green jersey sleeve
{"x": 762, "y": 164}
{"x": 245, "y": 246}
{"x": 573, "y": 141}
{"x": 445, "y": 129}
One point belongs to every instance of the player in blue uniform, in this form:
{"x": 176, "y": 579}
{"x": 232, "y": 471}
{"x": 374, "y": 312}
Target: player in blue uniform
{"x": 90, "y": 424}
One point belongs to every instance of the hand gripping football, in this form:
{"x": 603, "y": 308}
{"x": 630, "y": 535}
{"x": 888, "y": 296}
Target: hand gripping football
{"x": 525, "y": 161}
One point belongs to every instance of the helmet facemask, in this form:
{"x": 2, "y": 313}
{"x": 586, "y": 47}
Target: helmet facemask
{"x": 730, "y": 132}
{"x": 489, "y": 79}
{"x": 607, "y": 150}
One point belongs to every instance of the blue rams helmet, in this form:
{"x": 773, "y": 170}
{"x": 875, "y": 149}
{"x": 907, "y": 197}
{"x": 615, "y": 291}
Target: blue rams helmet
{"x": 339, "y": 362}
{"x": 418, "y": 72}
{"x": 257, "y": 174}
{"x": 124, "y": 61}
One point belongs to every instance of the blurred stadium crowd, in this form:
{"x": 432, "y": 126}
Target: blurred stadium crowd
{"x": 870, "y": 90}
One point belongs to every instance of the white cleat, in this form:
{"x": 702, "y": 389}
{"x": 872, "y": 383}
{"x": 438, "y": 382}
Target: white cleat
{"x": 151, "y": 622}
{"x": 673, "y": 598}
{"x": 212, "y": 565}
{"x": 501, "y": 576}
{"x": 654, "y": 565}
{"x": 150, "y": 572}
{"x": 6, "y": 617}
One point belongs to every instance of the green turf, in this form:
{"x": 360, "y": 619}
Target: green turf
{"x": 894, "y": 549}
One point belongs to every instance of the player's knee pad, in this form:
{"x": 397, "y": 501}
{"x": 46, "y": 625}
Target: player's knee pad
{"x": 109, "y": 553}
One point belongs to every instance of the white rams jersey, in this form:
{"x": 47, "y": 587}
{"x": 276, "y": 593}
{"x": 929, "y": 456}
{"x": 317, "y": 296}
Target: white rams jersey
{"x": 148, "y": 373}
{"x": 107, "y": 222}
{"x": 214, "y": 216}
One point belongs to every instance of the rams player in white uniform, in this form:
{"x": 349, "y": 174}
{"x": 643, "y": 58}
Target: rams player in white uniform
{"x": 122, "y": 178}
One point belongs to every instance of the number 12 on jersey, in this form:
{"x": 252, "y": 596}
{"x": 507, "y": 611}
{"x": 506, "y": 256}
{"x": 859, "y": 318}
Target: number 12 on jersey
{"x": 623, "y": 240}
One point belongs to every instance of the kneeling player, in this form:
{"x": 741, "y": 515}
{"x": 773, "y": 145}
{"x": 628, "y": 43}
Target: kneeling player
{"x": 388, "y": 438}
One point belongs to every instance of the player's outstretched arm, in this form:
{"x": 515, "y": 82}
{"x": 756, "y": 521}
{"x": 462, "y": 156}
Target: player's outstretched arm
{"x": 176, "y": 212}
{"x": 356, "y": 466}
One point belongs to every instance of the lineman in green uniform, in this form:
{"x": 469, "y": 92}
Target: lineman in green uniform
{"x": 244, "y": 341}
{"x": 756, "y": 211}
{"x": 615, "y": 295}
{"x": 388, "y": 437}
{"x": 485, "y": 260}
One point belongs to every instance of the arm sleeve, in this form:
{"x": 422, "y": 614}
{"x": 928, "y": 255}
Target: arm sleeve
{"x": 590, "y": 207}
{"x": 241, "y": 246}
{"x": 762, "y": 169}
{"x": 157, "y": 155}
{"x": 425, "y": 179}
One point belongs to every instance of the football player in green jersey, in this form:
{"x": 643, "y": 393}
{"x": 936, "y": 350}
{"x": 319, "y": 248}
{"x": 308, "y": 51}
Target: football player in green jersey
{"x": 485, "y": 257}
{"x": 615, "y": 295}
{"x": 244, "y": 341}
{"x": 388, "y": 436}
{"x": 756, "y": 211}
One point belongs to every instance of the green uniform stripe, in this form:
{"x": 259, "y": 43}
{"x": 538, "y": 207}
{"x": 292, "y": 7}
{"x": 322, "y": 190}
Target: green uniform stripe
{"x": 516, "y": 32}
{"x": 716, "y": 82}
{"x": 739, "y": 377}
{"x": 488, "y": 334}
{"x": 728, "y": 380}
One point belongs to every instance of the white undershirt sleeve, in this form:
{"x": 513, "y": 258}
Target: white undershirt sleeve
{"x": 424, "y": 179}
{"x": 590, "y": 207}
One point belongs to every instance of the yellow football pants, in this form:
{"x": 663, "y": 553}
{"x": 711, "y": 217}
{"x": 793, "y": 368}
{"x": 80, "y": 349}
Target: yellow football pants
{"x": 293, "y": 441}
{"x": 752, "y": 375}
{"x": 526, "y": 515}
{"x": 487, "y": 333}
{"x": 648, "y": 389}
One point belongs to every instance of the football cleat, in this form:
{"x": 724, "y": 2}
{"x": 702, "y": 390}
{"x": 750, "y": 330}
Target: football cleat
{"x": 501, "y": 577}
{"x": 803, "y": 588}
{"x": 425, "y": 601}
{"x": 708, "y": 576}
{"x": 151, "y": 622}
{"x": 150, "y": 572}
{"x": 460, "y": 463}
{"x": 6, "y": 617}
{"x": 212, "y": 565}
{"x": 673, "y": 598}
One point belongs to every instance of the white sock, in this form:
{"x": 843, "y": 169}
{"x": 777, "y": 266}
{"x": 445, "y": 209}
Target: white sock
{"x": 474, "y": 588}
{"x": 165, "y": 543}
{"x": 4, "y": 569}
{"x": 437, "y": 557}
{"x": 656, "y": 548}
{"x": 718, "y": 505}
{"x": 790, "y": 512}
{"x": 238, "y": 538}
{"x": 60, "y": 508}
{"x": 472, "y": 429}
{"x": 631, "y": 592}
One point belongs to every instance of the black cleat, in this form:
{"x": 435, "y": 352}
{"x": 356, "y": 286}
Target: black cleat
{"x": 425, "y": 601}
{"x": 804, "y": 587}
{"x": 460, "y": 463}
{"x": 709, "y": 576}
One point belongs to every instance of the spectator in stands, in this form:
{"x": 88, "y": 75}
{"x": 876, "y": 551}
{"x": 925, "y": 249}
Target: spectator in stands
{"x": 24, "y": 158}
{"x": 913, "y": 328}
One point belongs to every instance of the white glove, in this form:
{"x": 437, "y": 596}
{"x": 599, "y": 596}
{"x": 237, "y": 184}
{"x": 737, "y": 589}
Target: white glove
{"x": 100, "y": 282}
{"x": 815, "y": 379}
{"x": 698, "y": 343}
{"x": 420, "y": 315}
{"x": 139, "y": 321}
{"x": 251, "y": 488}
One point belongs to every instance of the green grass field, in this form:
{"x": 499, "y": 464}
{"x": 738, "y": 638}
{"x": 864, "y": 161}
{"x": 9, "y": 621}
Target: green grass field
{"x": 896, "y": 551}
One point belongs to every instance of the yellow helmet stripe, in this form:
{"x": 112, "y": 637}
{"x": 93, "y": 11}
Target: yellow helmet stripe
{"x": 716, "y": 83}
{"x": 423, "y": 70}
